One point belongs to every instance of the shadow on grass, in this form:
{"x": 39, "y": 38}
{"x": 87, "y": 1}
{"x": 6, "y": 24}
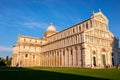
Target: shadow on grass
{"x": 30, "y": 74}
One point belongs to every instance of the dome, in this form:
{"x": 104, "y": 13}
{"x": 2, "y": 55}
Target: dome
{"x": 50, "y": 30}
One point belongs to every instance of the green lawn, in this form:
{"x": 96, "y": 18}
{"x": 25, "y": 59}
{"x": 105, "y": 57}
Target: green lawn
{"x": 38, "y": 73}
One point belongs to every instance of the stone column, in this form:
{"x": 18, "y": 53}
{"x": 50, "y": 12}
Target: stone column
{"x": 83, "y": 57}
{"x": 74, "y": 56}
{"x": 66, "y": 58}
{"x": 51, "y": 58}
{"x": 99, "y": 58}
{"x": 79, "y": 38}
{"x": 63, "y": 58}
{"x": 70, "y": 57}
{"x": 47, "y": 59}
{"x": 107, "y": 57}
{"x": 60, "y": 59}
{"x": 55, "y": 58}
{"x": 110, "y": 58}
{"x": 39, "y": 59}
{"x": 42, "y": 60}
{"x": 79, "y": 56}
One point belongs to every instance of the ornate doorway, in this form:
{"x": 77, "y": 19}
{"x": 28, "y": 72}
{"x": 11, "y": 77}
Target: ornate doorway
{"x": 94, "y": 60}
{"x": 104, "y": 59}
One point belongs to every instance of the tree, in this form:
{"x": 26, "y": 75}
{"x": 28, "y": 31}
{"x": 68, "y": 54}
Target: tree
{"x": 8, "y": 61}
{"x": 2, "y": 62}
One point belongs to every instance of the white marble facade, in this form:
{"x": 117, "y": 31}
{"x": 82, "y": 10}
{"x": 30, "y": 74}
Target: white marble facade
{"x": 86, "y": 44}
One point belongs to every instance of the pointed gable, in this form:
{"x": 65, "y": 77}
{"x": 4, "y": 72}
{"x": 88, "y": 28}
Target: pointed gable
{"x": 99, "y": 16}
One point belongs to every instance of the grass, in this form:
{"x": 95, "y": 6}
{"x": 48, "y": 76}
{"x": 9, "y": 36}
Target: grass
{"x": 38, "y": 73}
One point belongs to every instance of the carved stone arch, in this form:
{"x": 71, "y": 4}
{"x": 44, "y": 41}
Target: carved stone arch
{"x": 94, "y": 58}
{"x": 88, "y": 46}
{"x": 76, "y": 48}
{"x": 94, "y": 52}
{"x": 103, "y": 50}
{"x": 94, "y": 48}
{"x": 104, "y": 56}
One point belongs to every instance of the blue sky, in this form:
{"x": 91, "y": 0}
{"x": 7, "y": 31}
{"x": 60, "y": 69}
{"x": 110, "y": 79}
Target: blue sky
{"x": 32, "y": 17}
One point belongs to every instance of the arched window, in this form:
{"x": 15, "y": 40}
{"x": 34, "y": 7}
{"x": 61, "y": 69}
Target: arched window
{"x": 93, "y": 52}
{"x": 35, "y": 41}
{"x": 24, "y": 40}
{"x": 79, "y": 28}
{"x": 112, "y": 58}
{"x": 26, "y": 55}
{"x": 86, "y": 25}
{"x": 71, "y": 51}
{"x": 63, "y": 53}
{"x": 91, "y": 23}
{"x": 33, "y": 56}
{"x": 104, "y": 59}
{"x": 103, "y": 50}
{"x": 83, "y": 26}
{"x": 73, "y": 30}
{"x": 94, "y": 60}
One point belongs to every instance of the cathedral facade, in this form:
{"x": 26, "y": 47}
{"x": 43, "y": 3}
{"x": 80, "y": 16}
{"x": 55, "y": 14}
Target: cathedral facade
{"x": 87, "y": 44}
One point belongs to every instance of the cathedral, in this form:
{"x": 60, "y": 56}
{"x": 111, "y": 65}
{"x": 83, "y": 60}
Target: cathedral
{"x": 87, "y": 44}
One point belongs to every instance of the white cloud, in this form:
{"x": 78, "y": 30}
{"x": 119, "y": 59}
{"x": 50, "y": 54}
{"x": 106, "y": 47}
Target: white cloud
{"x": 31, "y": 25}
{"x": 34, "y": 24}
{"x": 5, "y": 49}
